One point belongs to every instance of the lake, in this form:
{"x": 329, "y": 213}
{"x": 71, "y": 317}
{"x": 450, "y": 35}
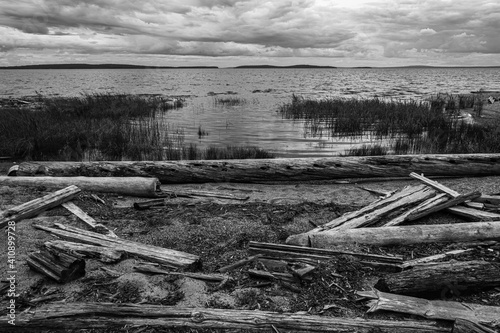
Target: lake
{"x": 255, "y": 121}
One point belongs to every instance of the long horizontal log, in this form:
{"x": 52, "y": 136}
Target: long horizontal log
{"x": 36, "y": 206}
{"x": 133, "y": 186}
{"x": 438, "y": 309}
{"x": 415, "y": 234}
{"x": 104, "y": 254}
{"x": 152, "y": 253}
{"x": 442, "y": 279}
{"x": 262, "y": 170}
{"x": 65, "y": 316}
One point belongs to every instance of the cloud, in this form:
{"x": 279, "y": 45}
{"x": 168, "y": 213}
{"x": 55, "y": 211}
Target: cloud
{"x": 363, "y": 30}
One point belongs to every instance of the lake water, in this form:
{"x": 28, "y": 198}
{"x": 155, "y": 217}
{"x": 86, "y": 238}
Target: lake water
{"x": 256, "y": 121}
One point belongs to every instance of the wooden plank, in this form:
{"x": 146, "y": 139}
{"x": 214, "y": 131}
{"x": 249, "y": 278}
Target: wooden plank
{"x": 491, "y": 199}
{"x": 472, "y": 214}
{"x": 436, "y": 185}
{"x": 97, "y": 227}
{"x": 402, "y": 235}
{"x": 436, "y": 309}
{"x": 36, "y": 206}
{"x": 66, "y": 316}
{"x": 104, "y": 254}
{"x": 419, "y": 261}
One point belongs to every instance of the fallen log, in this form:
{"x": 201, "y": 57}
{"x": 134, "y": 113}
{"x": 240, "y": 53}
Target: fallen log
{"x": 65, "y": 316}
{"x": 444, "y": 279}
{"x": 198, "y": 276}
{"x": 271, "y": 250}
{"x": 104, "y": 254}
{"x": 171, "y": 258}
{"x": 401, "y": 235}
{"x": 62, "y": 267}
{"x": 437, "y": 309}
{"x": 97, "y": 227}
{"x": 472, "y": 214}
{"x": 263, "y": 170}
{"x": 36, "y": 206}
{"x": 133, "y": 186}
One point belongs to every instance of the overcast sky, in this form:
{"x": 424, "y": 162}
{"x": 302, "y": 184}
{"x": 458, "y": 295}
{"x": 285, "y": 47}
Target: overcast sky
{"x": 227, "y": 33}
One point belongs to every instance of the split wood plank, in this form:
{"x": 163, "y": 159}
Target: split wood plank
{"x": 472, "y": 214}
{"x": 401, "y": 235}
{"x": 239, "y": 263}
{"x": 103, "y": 254}
{"x": 442, "y": 278}
{"x": 436, "y": 185}
{"x": 36, "y": 206}
{"x": 97, "y": 227}
{"x": 65, "y": 316}
{"x": 436, "y": 309}
{"x": 491, "y": 199}
{"x": 152, "y": 253}
{"x": 419, "y": 261}
{"x": 192, "y": 194}
{"x": 467, "y": 326}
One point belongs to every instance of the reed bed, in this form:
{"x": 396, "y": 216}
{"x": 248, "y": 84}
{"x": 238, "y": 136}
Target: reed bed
{"x": 229, "y": 101}
{"x": 98, "y": 127}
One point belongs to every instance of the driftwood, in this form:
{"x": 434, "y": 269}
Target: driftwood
{"x": 142, "y": 205}
{"x": 35, "y": 207}
{"x": 171, "y": 258}
{"x": 133, "y": 186}
{"x": 194, "y": 194}
{"x": 263, "y": 170}
{"x": 104, "y": 254}
{"x": 438, "y": 309}
{"x": 401, "y": 235}
{"x": 443, "y": 279}
{"x": 490, "y": 199}
{"x": 198, "y": 276}
{"x": 270, "y": 250}
{"x": 436, "y": 185}
{"x": 239, "y": 263}
{"x": 467, "y": 326}
{"x": 59, "y": 266}
{"x": 97, "y": 227}
{"x": 65, "y": 316}
{"x": 472, "y": 214}
{"x": 420, "y": 261}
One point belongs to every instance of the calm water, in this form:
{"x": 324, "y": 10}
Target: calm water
{"x": 256, "y": 121}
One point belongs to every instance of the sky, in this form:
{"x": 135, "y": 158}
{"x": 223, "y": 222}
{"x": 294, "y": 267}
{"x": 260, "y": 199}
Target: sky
{"x": 229, "y": 33}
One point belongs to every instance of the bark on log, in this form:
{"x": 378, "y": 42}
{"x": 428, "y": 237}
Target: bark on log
{"x": 133, "y": 186}
{"x": 75, "y": 316}
{"x": 415, "y": 234}
{"x": 171, "y": 258}
{"x": 472, "y": 214}
{"x": 442, "y": 279}
{"x": 61, "y": 267}
{"x": 276, "y": 169}
{"x": 438, "y": 309}
{"x": 104, "y": 254}
{"x": 36, "y": 206}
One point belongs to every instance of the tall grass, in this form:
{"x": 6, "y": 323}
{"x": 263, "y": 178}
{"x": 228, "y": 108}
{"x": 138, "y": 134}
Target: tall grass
{"x": 229, "y": 101}
{"x": 96, "y": 127}
{"x": 403, "y": 126}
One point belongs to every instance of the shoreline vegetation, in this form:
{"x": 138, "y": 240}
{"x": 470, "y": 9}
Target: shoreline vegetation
{"x": 440, "y": 125}
{"x": 96, "y": 127}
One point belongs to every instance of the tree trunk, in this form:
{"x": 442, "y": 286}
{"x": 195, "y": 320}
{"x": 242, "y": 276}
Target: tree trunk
{"x": 36, "y": 206}
{"x": 276, "y": 169}
{"x": 438, "y": 309}
{"x": 171, "y": 258}
{"x": 75, "y": 316}
{"x": 415, "y": 234}
{"x": 60, "y": 266}
{"x": 133, "y": 186}
{"x": 442, "y": 279}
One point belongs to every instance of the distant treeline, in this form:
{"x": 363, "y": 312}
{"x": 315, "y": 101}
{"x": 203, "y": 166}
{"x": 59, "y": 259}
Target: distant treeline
{"x": 98, "y": 66}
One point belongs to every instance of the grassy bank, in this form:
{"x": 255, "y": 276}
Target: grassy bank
{"x": 101, "y": 127}
{"x": 398, "y": 127}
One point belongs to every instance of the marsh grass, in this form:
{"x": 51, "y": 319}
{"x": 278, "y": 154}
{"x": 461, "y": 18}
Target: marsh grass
{"x": 229, "y": 101}
{"x": 405, "y": 127}
{"x": 96, "y": 127}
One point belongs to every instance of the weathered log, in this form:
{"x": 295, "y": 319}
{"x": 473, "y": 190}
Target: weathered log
{"x": 436, "y": 185}
{"x": 171, "y": 258}
{"x": 62, "y": 267}
{"x": 36, "y": 206}
{"x": 435, "y": 204}
{"x": 198, "y": 276}
{"x": 443, "y": 279}
{"x": 133, "y": 186}
{"x": 438, "y": 309}
{"x": 104, "y": 254}
{"x": 149, "y": 203}
{"x": 419, "y": 261}
{"x": 402, "y": 235}
{"x": 65, "y": 316}
{"x": 208, "y": 194}
{"x": 467, "y": 326}
{"x": 472, "y": 214}
{"x": 97, "y": 227}
{"x": 289, "y": 251}
{"x": 276, "y": 169}
{"x": 491, "y": 199}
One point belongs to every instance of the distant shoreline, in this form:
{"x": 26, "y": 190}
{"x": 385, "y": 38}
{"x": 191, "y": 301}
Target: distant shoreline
{"x": 126, "y": 66}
